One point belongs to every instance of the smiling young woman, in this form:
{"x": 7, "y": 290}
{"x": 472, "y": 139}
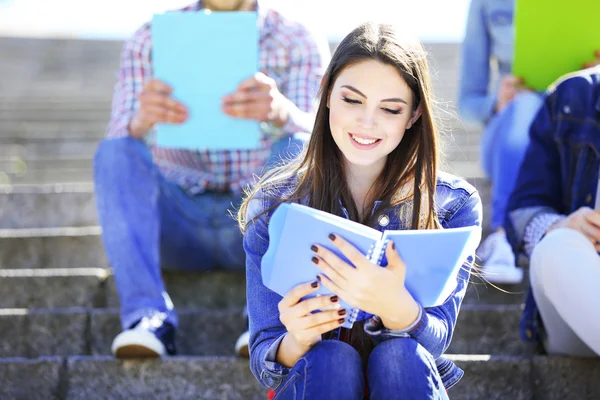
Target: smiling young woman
{"x": 372, "y": 157}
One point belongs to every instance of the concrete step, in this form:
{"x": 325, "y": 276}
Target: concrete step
{"x": 52, "y": 116}
{"x": 52, "y": 288}
{"x": 47, "y": 206}
{"x": 94, "y": 287}
{"x": 67, "y": 148}
{"x": 16, "y": 166}
{"x": 33, "y": 332}
{"x": 486, "y": 377}
{"x": 20, "y": 131}
{"x": 53, "y": 248}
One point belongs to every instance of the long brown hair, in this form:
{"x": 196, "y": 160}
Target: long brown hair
{"x": 410, "y": 172}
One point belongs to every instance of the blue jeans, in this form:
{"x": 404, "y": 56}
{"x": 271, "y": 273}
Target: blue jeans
{"x": 503, "y": 147}
{"x": 397, "y": 368}
{"x": 148, "y": 223}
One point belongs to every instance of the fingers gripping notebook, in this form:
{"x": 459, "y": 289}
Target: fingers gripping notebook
{"x": 433, "y": 258}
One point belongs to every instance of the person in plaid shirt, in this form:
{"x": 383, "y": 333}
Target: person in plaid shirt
{"x": 169, "y": 208}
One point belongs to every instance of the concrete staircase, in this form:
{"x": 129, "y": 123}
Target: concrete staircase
{"x": 58, "y": 304}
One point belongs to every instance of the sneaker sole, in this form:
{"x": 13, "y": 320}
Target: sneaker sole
{"x": 134, "y": 344}
{"x": 241, "y": 346}
{"x": 135, "y": 351}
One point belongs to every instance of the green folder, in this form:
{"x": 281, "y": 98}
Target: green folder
{"x": 553, "y": 38}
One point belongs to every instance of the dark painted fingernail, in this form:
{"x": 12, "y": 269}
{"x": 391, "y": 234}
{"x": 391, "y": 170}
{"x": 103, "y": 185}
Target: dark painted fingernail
{"x": 315, "y": 260}
{"x": 314, "y": 248}
{"x": 331, "y": 237}
{"x": 319, "y": 278}
{"x": 334, "y": 299}
{"x": 342, "y": 312}
{"x": 314, "y": 284}
{"x": 393, "y": 246}
{"x": 341, "y": 321}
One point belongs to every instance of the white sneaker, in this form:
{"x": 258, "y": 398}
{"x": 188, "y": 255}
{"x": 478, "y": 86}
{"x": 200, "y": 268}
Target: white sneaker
{"x": 241, "y": 346}
{"x": 498, "y": 260}
{"x": 150, "y": 337}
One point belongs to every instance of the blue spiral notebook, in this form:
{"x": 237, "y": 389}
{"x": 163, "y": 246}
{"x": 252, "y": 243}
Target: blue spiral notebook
{"x": 203, "y": 57}
{"x": 433, "y": 258}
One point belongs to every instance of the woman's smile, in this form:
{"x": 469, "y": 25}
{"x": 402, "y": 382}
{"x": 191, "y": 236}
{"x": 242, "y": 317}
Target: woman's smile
{"x": 363, "y": 142}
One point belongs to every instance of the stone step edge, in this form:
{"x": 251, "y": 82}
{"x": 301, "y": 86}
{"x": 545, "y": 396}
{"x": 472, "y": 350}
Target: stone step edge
{"x": 13, "y": 233}
{"x": 48, "y": 188}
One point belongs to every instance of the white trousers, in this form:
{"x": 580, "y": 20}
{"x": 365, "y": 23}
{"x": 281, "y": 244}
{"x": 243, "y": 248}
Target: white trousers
{"x": 565, "y": 278}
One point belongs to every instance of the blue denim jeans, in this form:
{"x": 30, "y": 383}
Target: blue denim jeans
{"x": 397, "y": 368}
{"x": 503, "y": 147}
{"x": 148, "y": 223}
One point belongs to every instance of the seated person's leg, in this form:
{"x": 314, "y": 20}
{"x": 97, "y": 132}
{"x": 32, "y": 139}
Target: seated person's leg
{"x": 565, "y": 278}
{"x": 403, "y": 366}
{"x": 131, "y": 210}
{"x": 330, "y": 370}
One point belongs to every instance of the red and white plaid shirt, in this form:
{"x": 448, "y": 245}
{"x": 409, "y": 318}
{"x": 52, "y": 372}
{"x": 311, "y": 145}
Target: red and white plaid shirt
{"x": 288, "y": 52}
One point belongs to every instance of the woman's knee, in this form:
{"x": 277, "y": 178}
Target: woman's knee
{"x": 335, "y": 357}
{"x": 401, "y": 364}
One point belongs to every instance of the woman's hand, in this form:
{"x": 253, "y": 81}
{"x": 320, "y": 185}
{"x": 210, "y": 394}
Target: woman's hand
{"x": 510, "y": 87}
{"x": 369, "y": 287}
{"x": 305, "y": 328}
{"x": 594, "y": 62}
{"x": 584, "y": 220}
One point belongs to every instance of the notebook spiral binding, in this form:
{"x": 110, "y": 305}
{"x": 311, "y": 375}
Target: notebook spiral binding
{"x": 375, "y": 255}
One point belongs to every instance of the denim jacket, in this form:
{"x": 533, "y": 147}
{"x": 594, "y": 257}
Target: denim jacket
{"x": 489, "y": 35}
{"x": 559, "y": 173}
{"x": 457, "y": 203}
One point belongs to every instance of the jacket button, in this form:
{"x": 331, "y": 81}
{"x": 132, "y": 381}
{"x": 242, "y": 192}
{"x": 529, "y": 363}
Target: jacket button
{"x": 588, "y": 199}
{"x": 383, "y": 220}
{"x": 567, "y": 110}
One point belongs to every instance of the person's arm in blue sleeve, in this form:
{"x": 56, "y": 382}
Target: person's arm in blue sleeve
{"x": 434, "y": 327}
{"x": 476, "y": 104}
{"x": 266, "y": 330}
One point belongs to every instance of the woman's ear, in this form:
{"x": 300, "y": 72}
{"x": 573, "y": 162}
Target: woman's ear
{"x": 328, "y": 98}
{"x": 416, "y": 114}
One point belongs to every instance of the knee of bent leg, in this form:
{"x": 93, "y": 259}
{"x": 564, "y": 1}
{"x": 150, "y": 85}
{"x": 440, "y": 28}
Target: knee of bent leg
{"x": 337, "y": 360}
{"x": 400, "y": 364}
{"x": 559, "y": 247}
{"x": 117, "y": 154}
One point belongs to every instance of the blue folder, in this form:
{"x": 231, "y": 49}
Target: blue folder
{"x": 433, "y": 258}
{"x": 204, "y": 56}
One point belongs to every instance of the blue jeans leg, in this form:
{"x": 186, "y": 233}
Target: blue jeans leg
{"x": 330, "y": 370}
{"x": 402, "y": 368}
{"x": 503, "y": 146}
{"x": 148, "y": 222}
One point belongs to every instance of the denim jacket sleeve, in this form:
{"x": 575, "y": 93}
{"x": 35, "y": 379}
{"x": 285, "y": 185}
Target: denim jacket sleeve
{"x": 538, "y": 187}
{"x": 476, "y": 104}
{"x": 435, "y": 326}
{"x": 266, "y": 330}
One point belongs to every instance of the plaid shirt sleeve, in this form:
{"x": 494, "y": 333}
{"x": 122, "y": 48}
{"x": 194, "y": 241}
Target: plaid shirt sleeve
{"x": 308, "y": 61}
{"x": 134, "y": 71}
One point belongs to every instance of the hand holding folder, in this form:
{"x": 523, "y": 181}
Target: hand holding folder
{"x": 433, "y": 258}
{"x": 203, "y": 57}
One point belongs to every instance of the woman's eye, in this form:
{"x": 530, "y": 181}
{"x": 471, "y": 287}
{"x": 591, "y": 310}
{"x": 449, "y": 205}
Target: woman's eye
{"x": 350, "y": 101}
{"x": 389, "y": 110}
